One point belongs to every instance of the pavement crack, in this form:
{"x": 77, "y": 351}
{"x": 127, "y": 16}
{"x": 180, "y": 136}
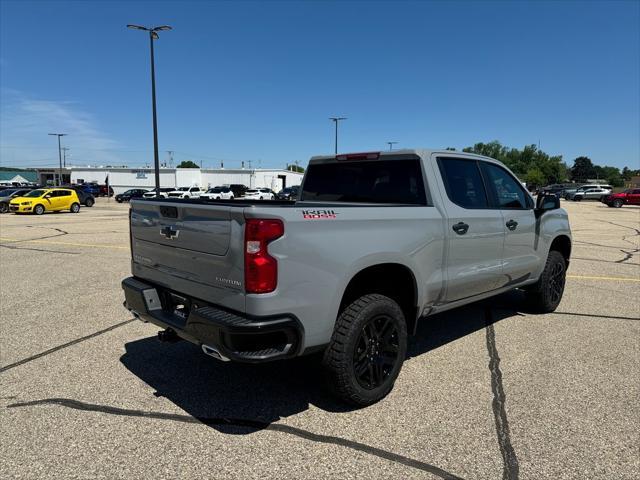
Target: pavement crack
{"x": 245, "y": 423}
{"x": 511, "y": 469}
{"x": 64, "y": 345}
{"x": 10, "y": 247}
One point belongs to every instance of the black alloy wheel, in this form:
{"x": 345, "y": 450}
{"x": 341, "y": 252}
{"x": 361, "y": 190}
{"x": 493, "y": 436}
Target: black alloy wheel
{"x": 376, "y": 352}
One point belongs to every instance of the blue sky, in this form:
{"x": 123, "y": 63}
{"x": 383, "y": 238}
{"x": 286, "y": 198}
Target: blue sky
{"x": 258, "y": 80}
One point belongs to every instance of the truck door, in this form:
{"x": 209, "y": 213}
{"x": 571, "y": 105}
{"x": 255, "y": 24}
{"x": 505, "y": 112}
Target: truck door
{"x": 475, "y": 230}
{"x": 520, "y": 257}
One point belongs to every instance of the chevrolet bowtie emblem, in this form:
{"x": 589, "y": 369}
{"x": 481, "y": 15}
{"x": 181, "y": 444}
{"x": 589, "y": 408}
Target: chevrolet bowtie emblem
{"x": 169, "y": 232}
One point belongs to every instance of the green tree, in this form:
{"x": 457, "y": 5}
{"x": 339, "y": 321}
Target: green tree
{"x": 295, "y": 168}
{"x": 582, "y": 169}
{"x": 188, "y": 164}
{"x": 535, "y": 177}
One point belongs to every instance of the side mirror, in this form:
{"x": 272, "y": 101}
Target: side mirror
{"x": 547, "y": 202}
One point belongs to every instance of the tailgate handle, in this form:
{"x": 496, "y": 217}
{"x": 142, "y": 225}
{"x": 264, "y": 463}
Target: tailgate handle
{"x": 169, "y": 212}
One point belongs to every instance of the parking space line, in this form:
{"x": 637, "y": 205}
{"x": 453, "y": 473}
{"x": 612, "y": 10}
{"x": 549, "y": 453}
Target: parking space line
{"x": 46, "y": 242}
{"x": 613, "y": 279}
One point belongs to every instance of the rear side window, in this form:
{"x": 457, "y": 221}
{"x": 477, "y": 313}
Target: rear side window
{"x": 463, "y": 182}
{"x": 381, "y": 181}
{"x": 507, "y": 191}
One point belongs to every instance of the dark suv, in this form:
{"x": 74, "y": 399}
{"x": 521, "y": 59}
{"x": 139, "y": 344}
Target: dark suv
{"x": 84, "y": 194}
{"x": 289, "y": 193}
{"x": 238, "y": 189}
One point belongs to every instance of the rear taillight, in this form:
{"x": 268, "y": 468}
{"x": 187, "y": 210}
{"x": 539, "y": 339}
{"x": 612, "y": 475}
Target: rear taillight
{"x": 260, "y": 268}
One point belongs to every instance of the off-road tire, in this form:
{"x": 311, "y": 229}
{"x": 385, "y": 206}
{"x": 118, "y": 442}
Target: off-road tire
{"x": 545, "y": 295}
{"x": 347, "y": 338}
{"x": 38, "y": 209}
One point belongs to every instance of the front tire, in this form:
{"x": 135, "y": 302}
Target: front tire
{"x": 89, "y": 203}
{"x": 545, "y": 295}
{"x": 4, "y": 207}
{"x": 38, "y": 209}
{"x": 367, "y": 350}
{"x": 618, "y": 203}
{"x": 75, "y": 207}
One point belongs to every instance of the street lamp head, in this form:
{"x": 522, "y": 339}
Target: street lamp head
{"x": 154, "y": 35}
{"x": 58, "y": 134}
{"x": 137, "y": 27}
{"x": 336, "y": 119}
{"x": 161, "y": 28}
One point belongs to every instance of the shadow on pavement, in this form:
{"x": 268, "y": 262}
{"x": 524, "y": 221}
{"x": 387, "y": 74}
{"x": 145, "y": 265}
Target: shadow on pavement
{"x": 206, "y": 388}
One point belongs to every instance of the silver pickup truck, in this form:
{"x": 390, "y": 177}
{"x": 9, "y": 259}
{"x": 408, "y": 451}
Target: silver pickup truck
{"x": 375, "y": 242}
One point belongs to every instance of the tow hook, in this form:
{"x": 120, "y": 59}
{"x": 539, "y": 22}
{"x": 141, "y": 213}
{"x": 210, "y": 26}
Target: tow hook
{"x": 168, "y": 335}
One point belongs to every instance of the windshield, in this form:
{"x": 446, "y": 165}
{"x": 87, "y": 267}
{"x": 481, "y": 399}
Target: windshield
{"x": 6, "y": 193}
{"x": 252, "y": 191}
{"x": 215, "y": 190}
{"x": 35, "y": 193}
{"x": 183, "y": 189}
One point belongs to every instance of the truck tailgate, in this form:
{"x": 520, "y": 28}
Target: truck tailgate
{"x": 189, "y": 247}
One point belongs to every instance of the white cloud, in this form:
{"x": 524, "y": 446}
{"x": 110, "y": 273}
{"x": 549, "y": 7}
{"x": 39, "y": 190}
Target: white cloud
{"x": 25, "y": 122}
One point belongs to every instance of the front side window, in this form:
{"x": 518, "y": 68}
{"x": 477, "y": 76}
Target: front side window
{"x": 507, "y": 191}
{"x": 395, "y": 181}
{"x": 463, "y": 182}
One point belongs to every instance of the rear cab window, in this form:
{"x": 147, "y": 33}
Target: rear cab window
{"x": 385, "y": 181}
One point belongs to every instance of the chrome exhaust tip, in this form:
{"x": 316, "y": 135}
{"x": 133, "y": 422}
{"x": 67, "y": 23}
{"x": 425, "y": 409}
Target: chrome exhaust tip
{"x": 212, "y": 352}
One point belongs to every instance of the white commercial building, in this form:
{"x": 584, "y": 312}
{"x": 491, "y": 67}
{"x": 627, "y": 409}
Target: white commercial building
{"x": 121, "y": 179}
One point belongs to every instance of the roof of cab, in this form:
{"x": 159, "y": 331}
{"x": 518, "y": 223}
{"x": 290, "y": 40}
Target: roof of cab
{"x": 420, "y": 152}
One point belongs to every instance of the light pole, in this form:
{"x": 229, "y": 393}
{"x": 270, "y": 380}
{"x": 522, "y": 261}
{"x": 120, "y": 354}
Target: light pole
{"x": 336, "y": 120}
{"x": 391, "y": 144}
{"x": 64, "y": 156}
{"x": 59, "y": 156}
{"x": 153, "y": 35}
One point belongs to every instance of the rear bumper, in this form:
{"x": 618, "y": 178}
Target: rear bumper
{"x": 237, "y": 337}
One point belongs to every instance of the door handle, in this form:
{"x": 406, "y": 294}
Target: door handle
{"x": 512, "y": 225}
{"x": 460, "y": 228}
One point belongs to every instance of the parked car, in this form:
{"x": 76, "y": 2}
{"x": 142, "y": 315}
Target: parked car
{"x": 555, "y": 189}
{"x": 570, "y": 193}
{"x": 185, "y": 192}
{"x": 129, "y": 194}
{"x": 218, "y": 193}
{"x": 86, "y": 198}
{"x": 164, "y": 192}
{"x": 374, "y": 244}
{"x": 259, "y": 194}
{"x": 237, "y": 188}
{"x": 628, "y": 197}
{"x": 289, "y": 193}
{"x": 7, "y": 195}
{"x": 103, "y": 190}
{"x": 590, "y": 193}
{"x": 92, "y": 188}
{"x": 46, "y": 200}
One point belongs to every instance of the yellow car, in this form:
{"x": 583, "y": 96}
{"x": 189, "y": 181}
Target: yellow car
{"x": 46, "y": 200}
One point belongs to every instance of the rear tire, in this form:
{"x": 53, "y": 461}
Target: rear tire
{"x": 4, "y": 207}
{"x": 618, "y": 203}
{"x": 89, "y": 202}
{"x": 577, "y": 199}
{"x": 367, "y": 350}
{"x": 75, "y": 207}
{"x": 38, "y": 209}
{"x": 545, "y": 295}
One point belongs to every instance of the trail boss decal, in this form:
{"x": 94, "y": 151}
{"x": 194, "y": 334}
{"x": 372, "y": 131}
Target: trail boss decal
{"x": 319, "y": 214}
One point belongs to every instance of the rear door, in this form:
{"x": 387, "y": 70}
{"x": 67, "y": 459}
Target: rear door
{"x": 475, "y": 230}
{"x": 520, "y": 257}
{"x": 633, "y": 197}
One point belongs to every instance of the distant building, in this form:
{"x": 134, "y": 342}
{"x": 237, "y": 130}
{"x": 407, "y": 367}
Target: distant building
{"x": 633, "y": 182}
{"x": 19, "y": 176}
{"x": 121, "y": 179}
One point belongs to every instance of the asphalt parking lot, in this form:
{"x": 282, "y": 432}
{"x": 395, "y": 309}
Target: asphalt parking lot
{"x": 489, "y": 391}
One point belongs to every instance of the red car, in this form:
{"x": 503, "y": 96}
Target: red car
{"x": 628, "y": 197}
